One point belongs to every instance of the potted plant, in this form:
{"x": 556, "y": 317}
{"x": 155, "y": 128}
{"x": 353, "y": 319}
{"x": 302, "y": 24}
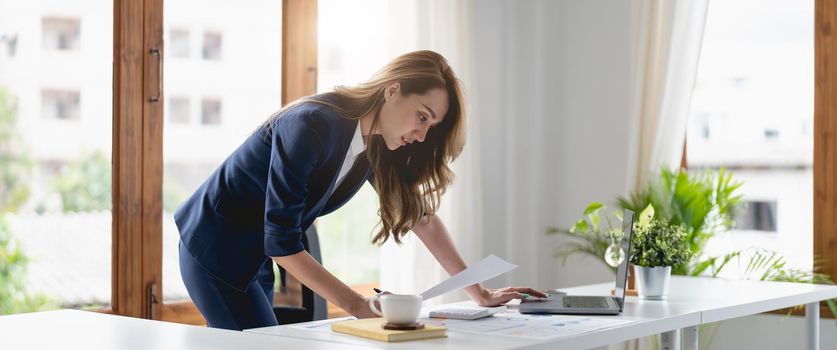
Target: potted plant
{"x": 656, "y": 246}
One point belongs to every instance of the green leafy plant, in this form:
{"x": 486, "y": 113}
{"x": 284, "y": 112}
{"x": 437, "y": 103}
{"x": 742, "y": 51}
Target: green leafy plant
{"x": 657, "y": 243}
{"x": 14, "y": 162}
{"x": 84, "y": 185}
{"x": 13, "y": 266}
{"x": 173, "y": 194}
{"x": 14, "y": 191}
{"x": 703, "y": 204}
{"x": 767, "y": 265}
{"x": 592, "y": 234}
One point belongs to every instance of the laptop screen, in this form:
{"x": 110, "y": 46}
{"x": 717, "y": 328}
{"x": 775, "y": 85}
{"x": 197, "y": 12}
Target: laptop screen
{"x": 622, "y": 272}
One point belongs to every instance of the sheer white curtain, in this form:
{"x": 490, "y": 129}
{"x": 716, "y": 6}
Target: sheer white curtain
{"x": 666, "y": 41}
{"x": 443, "y": 26}
{"x": 667, "y": 37}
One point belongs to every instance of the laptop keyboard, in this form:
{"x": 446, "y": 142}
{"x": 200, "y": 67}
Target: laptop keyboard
{"x": 582, "y": 302}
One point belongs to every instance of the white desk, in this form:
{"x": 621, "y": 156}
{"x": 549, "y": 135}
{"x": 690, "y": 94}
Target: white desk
{"x": 691, "y": 302}
{"x": 721, "y": 299}
{"x": 73, "y": 329}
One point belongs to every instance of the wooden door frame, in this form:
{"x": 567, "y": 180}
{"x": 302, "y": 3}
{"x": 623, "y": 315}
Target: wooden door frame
{"x": 137, "y": 156}
{"x": 299, "y": 49}
{"x": 137, "y": 162}
{"x": 825, "y": 126}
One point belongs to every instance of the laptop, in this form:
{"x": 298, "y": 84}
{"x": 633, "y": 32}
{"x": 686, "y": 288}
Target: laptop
{"x": 590, "y": 305}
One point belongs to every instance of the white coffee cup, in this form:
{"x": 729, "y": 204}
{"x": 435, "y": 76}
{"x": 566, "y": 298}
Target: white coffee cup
{"x": 397, "y": 308}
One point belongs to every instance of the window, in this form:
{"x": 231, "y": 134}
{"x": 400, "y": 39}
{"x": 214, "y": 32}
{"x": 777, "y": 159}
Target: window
{"x": 60, "y": 104}
{"x": 757, "y": 216}
{"x": 55, "y": 192}
{"x": 9, "y": 42}
{"x": 752, "y": 113}
{"x": 211, "y": 111}
{"x": 179, "y": 43}
{"x": 212, "y": 46}
{"x": 179, "y": 110}
{"x": 207, "y": 94}
{"x": 61, "y": 33}
{"x": 350, "y": 50}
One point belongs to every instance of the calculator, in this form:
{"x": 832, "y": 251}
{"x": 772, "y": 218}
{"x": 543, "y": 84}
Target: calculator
{"x": 466, "y": 313}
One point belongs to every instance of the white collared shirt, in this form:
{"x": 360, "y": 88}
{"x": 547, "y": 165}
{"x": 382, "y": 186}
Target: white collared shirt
{"x": 355, "y": 149}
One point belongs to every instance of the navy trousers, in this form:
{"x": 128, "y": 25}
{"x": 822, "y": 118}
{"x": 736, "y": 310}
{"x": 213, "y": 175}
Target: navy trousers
{"x": 226, "y": 307}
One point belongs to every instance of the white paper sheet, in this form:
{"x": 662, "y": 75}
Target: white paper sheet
{"x": 542, "y": 327}
{"x": 485, "y": 269}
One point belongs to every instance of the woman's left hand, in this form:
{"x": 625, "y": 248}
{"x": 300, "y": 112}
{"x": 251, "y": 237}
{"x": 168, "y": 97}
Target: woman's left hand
{"x": 500, "y": 296}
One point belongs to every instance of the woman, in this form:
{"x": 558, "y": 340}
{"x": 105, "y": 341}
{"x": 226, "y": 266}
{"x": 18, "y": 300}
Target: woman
{"x": 399, "y": 131}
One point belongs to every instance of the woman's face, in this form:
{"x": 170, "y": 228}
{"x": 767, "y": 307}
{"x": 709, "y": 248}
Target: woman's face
{"x": 406, "y": 119}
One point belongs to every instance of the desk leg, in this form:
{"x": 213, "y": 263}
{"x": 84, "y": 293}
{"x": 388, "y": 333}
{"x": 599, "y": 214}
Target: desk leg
{"x": 670, "y": 340}
{"x": 690, "y": 338}
{"x": 812, "y": 318}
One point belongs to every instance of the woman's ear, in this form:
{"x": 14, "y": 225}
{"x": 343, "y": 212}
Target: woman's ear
{"x": 391, "y": 90}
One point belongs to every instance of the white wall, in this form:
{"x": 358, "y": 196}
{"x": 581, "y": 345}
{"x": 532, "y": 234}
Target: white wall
{"x": 551, "y": 102}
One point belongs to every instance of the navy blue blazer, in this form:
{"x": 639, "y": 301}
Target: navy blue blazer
{"x": 262, "y": 198}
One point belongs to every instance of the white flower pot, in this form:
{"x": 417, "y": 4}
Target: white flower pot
{"x": 652, "y": 282}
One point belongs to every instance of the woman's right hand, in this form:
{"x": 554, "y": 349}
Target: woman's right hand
{"x": 362, "y": 309}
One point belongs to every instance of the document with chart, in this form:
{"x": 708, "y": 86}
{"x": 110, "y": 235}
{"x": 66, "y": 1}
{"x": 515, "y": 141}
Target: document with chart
{"x": 529, "y": 325}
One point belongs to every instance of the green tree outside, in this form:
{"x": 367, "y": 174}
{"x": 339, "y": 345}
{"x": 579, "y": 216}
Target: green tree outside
{"x": 85, "y": 184}
{"x": 14, "y": 191}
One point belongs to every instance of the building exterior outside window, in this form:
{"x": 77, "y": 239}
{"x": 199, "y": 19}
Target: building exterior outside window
{"x": 211, "y": 111}
{"x": 212, "y": 42}
{"x": 60, "y": 104}
{"x": 9, "y": 42}
{"x": 179, "y": 110}
{"x": 179, "y": 43}
{"x": 60, "y": 33}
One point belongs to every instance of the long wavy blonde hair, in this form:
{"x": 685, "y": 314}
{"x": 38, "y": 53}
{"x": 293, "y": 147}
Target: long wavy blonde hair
{"x": 409, "y": 180}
